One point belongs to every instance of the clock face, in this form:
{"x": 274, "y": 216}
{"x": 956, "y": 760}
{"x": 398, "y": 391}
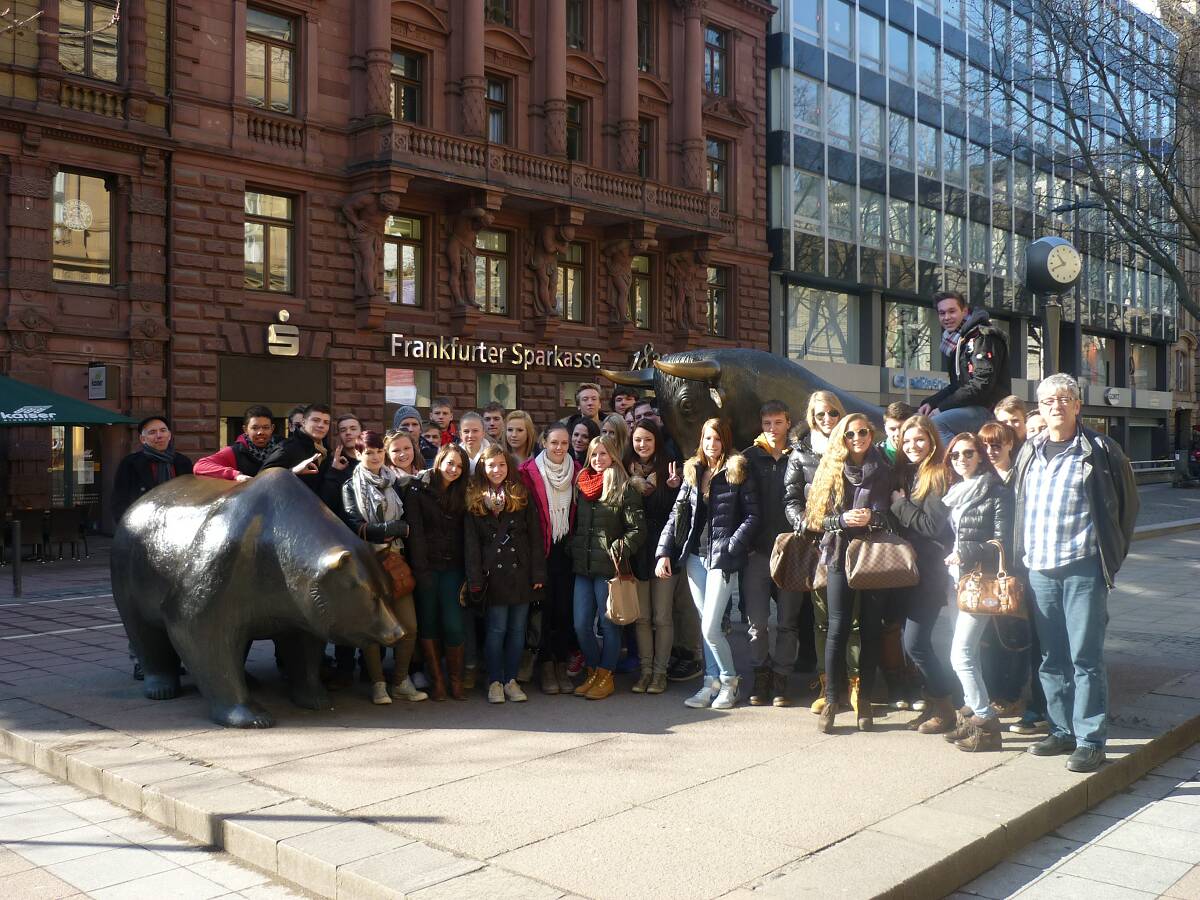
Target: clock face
{"x": 1063, "y": 264}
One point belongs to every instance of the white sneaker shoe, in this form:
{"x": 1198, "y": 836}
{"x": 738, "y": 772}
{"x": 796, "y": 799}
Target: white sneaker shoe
{"x": 495, "y": 692}
{"x": 406, "y": 690}
{"x": 379, "y": 694}
{"x": 729, "y": 693}
{"x": 703, "y": 698}
{"x": 513, "y": 692}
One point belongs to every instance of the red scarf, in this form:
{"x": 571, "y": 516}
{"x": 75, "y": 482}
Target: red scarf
{"x": 591, "y": 483}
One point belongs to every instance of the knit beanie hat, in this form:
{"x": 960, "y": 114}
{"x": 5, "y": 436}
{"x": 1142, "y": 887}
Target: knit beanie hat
{"x": 405, "y": 412}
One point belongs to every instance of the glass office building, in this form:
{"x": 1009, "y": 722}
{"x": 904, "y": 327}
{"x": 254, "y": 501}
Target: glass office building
{"x": 899, "y": 166}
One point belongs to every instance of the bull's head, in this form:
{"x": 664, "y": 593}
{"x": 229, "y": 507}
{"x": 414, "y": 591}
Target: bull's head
{"x": 687, "y": 392}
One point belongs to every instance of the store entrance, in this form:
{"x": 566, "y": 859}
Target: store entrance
{"x": 277, "y": 383}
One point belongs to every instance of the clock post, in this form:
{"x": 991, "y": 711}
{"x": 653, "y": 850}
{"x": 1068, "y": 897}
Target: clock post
{"x": 1052, "y": 267}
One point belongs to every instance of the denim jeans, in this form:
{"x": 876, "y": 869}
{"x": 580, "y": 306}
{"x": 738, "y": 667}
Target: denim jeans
{"x": 922, "y": 605}
{"x": 504, "y": 641}
{"x": 965, "y": 657}
{"x": 757, "y": 590}
{"x": 841, "y": 599}
{"x": 1070, "y": 613}
{"x": 711, "y": 590}
{"x": 950, "y": 422}
{"x": 591, "y": 600}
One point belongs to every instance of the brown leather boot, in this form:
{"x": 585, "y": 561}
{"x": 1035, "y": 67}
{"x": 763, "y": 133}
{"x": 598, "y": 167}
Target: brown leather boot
{"x": 984, "y": 735}
{"x": 432, "y": 651}
{"x": 825, "y": 718}
{"x": 940, "y": 715}
{"x": 454, "y": 666}
{"x": 961, "y": 729}
{"x": 592, "y": 675}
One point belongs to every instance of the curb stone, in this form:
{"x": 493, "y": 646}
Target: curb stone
{"x": 1165, "y": 528}
{"x": 940, "y": 844}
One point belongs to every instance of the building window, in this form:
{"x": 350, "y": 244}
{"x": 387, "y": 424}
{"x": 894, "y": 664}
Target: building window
{"x": 576, "y": 113}
{"x": 927, "y": 232}
{"x": 952, "y": 158}
{"x": 870, "y": 129}
{"x": 498, "y": 12}
{"x": 641, "y": 291}
{"x": 645, "y": 35}
{"x": 577, "y": 22}
{"x": 952, "y": 80}
{"x": 806, "y": 106}
{"x": 716, "y": 308}
{"x": 716, "y": 60}
{"x": 900, "y": 55}
{"x": 82, "y": 248}
{"x": 840, "y": 25}
{"x": 406, "y": 387}
{"x": 870, "y": 216}
{"x": 497, "y": 110}
{"x": 870, "y": 41}
{"x": 407, "y": 70}
{"x": 977, "y": 165}
{"x": 491, "y": 271}
{"x": 806, "y": 20}
{"x": 268, "y": 249}
{"x": 87, "y": 38}
{"x": 569, "y": 292}
{"x": 841, "y": 210}
{"x": 270, "y": 61}
{"x": 840, "y": 119}
{"x": 822, "y": 325}
{"x": 718, "y": 170}
{"x": 908, "y": 337}
{"x": 953, "y": 242}
{"x": 900, "y": 229}
{"x": 980, "y": 241}
{"x": 900, "y": 140}
{"x": 927, "y": 150}
{"x": 927, "y": 68}
{"x": 645, "y": 148}
{"x": 495, "y": 386}
{"x": 403, "y": 253}
{"x": 806, "y": 201}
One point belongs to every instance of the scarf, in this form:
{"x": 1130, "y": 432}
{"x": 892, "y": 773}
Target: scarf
{"x": 818, "y": 441}
{"x": 162, "y": 465}
{"x": 495, "y": 499}
{"x": 591, "y": 483}
{"x": 374, "y": 495}
{"x": 639, "y": 469}
{"x": 557, "y": 479}
{"x": 965, "y": 493}
{"x": 258, "y": 454}
{"x": 950, "y": 341}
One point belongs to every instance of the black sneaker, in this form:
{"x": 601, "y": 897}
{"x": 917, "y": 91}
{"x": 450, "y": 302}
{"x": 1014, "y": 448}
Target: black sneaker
{"x": 760, "y": 694}
{"x": 1053, "y": 745}
{"x": 685, "y": 670}
{"x": 1085, "y": 759}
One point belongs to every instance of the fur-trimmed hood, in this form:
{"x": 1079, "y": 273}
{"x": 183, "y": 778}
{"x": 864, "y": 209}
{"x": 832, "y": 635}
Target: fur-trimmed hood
{"x": 735, "y": 469}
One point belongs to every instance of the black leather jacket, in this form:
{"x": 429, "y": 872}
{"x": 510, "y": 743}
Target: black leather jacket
{"x": 1113, "y": 501}
{"x": 988, "y": 518}
{"x": 979, "y": 371}
{"x": 801, "y": 469}
{"x": 356, "y": 519}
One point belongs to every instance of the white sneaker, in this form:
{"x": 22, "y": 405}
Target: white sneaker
{"x": 513, "y": 692}
{"x": 703, "y": 698}
{"x": 406, "y": 690}
{"x": 729, "y": 693}
{"x": 379, "y": 694}
{"x": 495, "y": 693}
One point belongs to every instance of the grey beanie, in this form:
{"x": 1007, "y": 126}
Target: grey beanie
{"x": 405, "y": 412}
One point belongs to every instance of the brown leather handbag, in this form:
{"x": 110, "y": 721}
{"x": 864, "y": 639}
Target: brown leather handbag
{"x": 795, "y": 559}
{"x": 881, "y": 560}
{"x": 400, "y": 571}
{"x": 991, "y": 595}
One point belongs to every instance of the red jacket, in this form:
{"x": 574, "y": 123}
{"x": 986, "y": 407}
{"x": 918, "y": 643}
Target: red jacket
{"x": 222, "y": 464}
{"x": 532, "y": 477}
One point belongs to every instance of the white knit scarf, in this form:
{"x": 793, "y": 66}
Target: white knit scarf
{"x": 557, "y": 478}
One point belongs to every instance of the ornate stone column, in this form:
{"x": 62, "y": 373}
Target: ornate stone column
{"x": 379, "y": 59}
{"x": 135, "y": 15}
{"x": 556, "y": 78}
{"x": 693, "y": 93}
{"x": 627, "y": 122}
{"x": 474, "y": 123}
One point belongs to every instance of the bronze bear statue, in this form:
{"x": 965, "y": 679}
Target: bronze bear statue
{"x": 201, "y": 567}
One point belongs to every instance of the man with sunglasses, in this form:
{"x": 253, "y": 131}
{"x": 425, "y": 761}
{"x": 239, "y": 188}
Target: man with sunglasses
{"x": 976, "y": 356}
{"x": 1077, "y": 502}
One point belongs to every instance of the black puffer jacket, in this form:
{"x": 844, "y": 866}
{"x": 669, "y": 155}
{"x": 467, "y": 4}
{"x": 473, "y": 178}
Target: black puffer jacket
{"x": 600, "y": 527}
{"x": 656, "y": 507}
{"x": 507, "y": 566}
{"x": 435, "y": 541}
{"x": 733, "y": 516}
{"x": 770, "y": 479}
{"x": 801, "y": 469}
{"x": 988, "y": 518}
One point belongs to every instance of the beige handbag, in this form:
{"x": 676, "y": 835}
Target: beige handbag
{"x": 991, "y": 595}
{"x": 623, "y": 607}
{"x": 881, "y": 560}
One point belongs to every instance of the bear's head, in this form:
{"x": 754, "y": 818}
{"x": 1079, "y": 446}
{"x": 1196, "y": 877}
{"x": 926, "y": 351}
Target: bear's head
{"x": 349, "y": 598}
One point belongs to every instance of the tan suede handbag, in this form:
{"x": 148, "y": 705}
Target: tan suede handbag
{"x": 991, "y": 595}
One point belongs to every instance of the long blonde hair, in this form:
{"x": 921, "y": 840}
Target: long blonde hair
{"x": 618, "y": 424}
{"x": 530, "y": 432}
{"x": 829, "y": 484}
{"x": 615, "y": 476}
{"x": 931, "y": 475}
{"x": 829, "y": 399}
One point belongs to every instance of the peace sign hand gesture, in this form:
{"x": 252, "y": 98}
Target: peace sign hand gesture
{"x": 673, "y": 479}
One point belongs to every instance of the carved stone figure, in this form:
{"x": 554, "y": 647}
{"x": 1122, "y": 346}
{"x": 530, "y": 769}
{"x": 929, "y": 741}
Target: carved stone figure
{"x": 734, "y": 384}
{"x": 619, "y": 255}
{"x": 460, "y": 254}
{"x": 365, "y": 215}
{"x": 550, "y": 242}
{"x": 687, "y": 272}
{"x": 201, "y": 566}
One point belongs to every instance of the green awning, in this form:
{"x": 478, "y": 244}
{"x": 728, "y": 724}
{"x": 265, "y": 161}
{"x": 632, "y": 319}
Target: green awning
{"x": 25, "y": 404}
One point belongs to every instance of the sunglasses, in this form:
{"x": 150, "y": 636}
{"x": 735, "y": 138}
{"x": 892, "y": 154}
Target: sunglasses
{"x": 964, "y": 454}
{"x": 831, "y": 414}
{"x": 859, "y": 434}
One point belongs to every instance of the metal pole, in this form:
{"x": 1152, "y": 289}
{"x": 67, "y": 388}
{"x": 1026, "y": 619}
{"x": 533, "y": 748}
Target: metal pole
{"x": 16, "y": 545}
{"x": 904, "y": 353}
{"x": 1077, "y": 369}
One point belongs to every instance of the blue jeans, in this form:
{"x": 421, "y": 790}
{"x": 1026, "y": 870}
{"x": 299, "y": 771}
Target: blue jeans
{"x": 711, "y": 590}
{"x": 591, "y": 598}
{"x": 950, "y": 422}
{"x": 504, "y": 641}
{"x": 1070, "y": 613}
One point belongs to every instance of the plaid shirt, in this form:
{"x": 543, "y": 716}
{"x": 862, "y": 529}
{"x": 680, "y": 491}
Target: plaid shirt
{"x": 1058, "y": 523}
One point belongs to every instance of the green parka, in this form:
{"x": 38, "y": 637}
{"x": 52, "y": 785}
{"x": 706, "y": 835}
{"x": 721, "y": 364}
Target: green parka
{"x": 599, "y": 526}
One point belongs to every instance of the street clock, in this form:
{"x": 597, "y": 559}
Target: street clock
{"x": 1052, "y": 266}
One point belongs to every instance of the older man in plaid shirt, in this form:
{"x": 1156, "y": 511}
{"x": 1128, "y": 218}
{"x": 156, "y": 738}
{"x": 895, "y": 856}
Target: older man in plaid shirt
{"x": 1076, "y": 505}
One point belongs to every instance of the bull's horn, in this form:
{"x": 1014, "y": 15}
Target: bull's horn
{"x": 635, "y": 378}
{"x": 708, "y": 371}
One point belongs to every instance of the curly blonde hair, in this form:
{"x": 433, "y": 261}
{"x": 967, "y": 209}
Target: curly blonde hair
{"x": 829, "y": 484}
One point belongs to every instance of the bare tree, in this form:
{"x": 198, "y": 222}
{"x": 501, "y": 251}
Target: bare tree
{"x": 1112, "y": 96}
